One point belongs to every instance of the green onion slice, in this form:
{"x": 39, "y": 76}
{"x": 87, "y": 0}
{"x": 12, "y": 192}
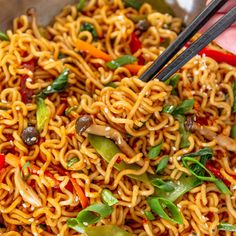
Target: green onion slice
{"x": 132, "y": 3}
{"x": 108, "y": 197}
{"x": 183, "y": 133}
{"x": 42, "y": 114}
{"x": 201, "y": 152}
{"x": 226, "y": 227}
{"x": 171, "y": 213}
{"x": 162, "y": 164}
{"x": 94, "y": 213}
{"x": 76, "y": 225}
{"x": 187, "y": 160}
{"x": 3, "y": 36}
{"x": 173, "y": 80}
{"x": 165, "y": 186}
{"x": 80, "y": 5}
{"x": 58, "y": 85}
{"x": 222, "y": 187}
{"x": 26, "y": 171}
{"x": 121, "y": 61}
{"x": 184, "y": 107}
{"x": 72, "y": 161}
{"x": 155, "y": 151}
{"x": 90, "y": 28}
{"x": 70, "y": 109}
{"x": 233, "y": 132}
{"x": 168, "y": 109}
{"x": 149, "y": 215}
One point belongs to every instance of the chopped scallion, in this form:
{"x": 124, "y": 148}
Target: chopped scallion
{"x": 155, "y": 151}
{"x": 72, "y": 161}
{"x": 233, "y": 132}
{"x": 108, "y": 197}
{"x": 162, "y": 164}
{"x": 226, "y": 227}
{"x": 159, "y": 206}
{"x": 132, "y": 3}
{"x": 42, "y": 114}
{"x": 121, "y": 61}
{"x": 3, "y": 36}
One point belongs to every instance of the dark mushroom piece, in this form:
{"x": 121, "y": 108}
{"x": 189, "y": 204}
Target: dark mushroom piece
{"x": 222, "y": 140}
{"x": 143, "y": 25}
{"x": 30, "y": 136}
{"x": 82, "y": 123}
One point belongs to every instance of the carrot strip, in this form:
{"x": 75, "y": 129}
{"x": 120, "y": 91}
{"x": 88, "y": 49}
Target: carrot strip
{"x": 61, "y": 109}
{"x": 93, "y": 51}
{"x": 83, "y": 199}
{"x": 133, "y": 68}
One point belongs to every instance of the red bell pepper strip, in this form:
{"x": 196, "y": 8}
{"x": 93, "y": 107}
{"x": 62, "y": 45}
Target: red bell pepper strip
{"x": 2, "y": 161}
{"x": 219, "y": 56}
{"x": 217, "y": 174}
{"x": 135, "y": 44}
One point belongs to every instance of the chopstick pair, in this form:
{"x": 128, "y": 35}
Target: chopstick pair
{"x": 162, "y": 73}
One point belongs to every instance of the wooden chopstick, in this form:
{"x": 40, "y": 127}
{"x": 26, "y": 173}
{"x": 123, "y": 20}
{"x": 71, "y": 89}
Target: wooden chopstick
{"x": 218, "y": 28}
{"x": 182, "y": 39}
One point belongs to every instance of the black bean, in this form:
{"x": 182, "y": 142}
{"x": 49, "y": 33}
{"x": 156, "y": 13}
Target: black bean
{"x": 143, "y": 25}
{"x": 30, "y": 136}
{"x": 82, "y": 123}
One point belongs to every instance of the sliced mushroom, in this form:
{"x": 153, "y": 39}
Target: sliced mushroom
{"x": 27, "y": 193}
{"x": 222, "y": 140}
{"x": 113, "y": 134}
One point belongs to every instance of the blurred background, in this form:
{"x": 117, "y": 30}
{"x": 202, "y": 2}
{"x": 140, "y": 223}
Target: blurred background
{"x": 46, "y": 9}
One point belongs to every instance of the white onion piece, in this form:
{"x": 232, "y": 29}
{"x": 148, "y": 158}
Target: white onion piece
{"x": 27, "y": 193}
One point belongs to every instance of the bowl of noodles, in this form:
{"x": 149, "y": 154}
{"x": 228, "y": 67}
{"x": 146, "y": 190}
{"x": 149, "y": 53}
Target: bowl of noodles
{"x": 89, "y": 149}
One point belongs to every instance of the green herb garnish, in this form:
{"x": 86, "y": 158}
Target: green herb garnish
{"x": 121, "y": 61}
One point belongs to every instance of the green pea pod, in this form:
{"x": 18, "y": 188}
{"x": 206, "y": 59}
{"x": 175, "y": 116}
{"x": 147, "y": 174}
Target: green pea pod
{"x": 106, "y": 230}
{"x": 149, "y": 215}
{"x": 121, "y": 61}
{"x": 158, "y": 205}
{"x": 108, "y": 149}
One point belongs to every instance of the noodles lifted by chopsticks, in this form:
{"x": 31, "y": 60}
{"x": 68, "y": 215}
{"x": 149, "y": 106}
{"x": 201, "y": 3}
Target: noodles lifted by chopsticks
{"x": 88, "y": 147}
